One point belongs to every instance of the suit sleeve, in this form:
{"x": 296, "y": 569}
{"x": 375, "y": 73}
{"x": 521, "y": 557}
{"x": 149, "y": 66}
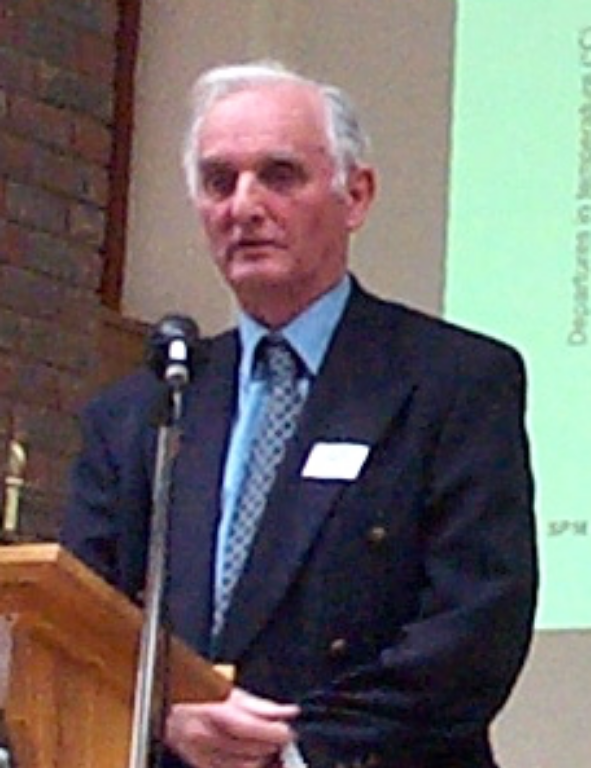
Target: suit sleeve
{"x": 106, "y": 517}
{"x": 434, "y": 690}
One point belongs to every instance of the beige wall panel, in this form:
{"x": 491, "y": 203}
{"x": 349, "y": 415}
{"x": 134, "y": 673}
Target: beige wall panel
{"x": 546, "y": 723}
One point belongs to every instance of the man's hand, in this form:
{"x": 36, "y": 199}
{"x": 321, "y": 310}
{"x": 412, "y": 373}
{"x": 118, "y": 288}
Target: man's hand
{"x": 244, "y": 731}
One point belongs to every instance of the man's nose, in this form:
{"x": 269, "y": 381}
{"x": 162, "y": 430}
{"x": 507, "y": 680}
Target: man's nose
{"x": 247, "y": 200}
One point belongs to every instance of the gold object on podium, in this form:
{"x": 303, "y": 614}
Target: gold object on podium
{"x": 14, "y": 482}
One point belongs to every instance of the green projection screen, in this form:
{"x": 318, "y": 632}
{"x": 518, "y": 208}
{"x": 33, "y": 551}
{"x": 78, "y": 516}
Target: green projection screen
{"x": 519, "y": 249}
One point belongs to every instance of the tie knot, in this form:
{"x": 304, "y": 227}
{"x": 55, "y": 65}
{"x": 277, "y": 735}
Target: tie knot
{"x": 279, "y": 359}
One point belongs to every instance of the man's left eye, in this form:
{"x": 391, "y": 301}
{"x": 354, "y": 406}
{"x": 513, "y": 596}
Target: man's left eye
{"x": 282, "y": 176}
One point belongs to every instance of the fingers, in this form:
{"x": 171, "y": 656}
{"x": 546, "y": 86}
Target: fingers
{"x": 245, "y": 731}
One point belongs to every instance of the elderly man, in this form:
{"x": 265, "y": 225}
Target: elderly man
{"x": 352, "y": 514}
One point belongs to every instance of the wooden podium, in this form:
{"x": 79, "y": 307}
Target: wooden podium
{"x": 73, "y": 662}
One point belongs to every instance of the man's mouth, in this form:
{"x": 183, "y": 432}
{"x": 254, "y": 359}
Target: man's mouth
{"x": 251, "y": 245}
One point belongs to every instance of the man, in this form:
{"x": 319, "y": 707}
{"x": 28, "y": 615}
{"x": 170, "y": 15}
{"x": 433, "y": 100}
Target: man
{"x": 385, "y": 604}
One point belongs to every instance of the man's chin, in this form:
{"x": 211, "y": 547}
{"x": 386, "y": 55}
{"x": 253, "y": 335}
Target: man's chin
{"x": 257, "y": 277}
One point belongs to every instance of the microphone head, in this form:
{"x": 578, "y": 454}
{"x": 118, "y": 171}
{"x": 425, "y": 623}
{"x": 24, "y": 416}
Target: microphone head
{"x": 174, "y": 349}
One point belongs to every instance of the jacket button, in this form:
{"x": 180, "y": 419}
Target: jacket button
{"x": 377, "y": 534}
{"x": 338, "y": 647}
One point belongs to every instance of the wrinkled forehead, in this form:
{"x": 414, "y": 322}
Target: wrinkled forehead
{"x": 273, "y": 115}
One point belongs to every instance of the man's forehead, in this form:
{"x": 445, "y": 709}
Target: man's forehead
{"x": 284, "y": 95}
{"x": 269, "y": 111}
{"x": 293, "y": 154}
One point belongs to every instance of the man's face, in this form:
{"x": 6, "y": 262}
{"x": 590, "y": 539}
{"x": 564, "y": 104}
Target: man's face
{"x": 277, "y": 228}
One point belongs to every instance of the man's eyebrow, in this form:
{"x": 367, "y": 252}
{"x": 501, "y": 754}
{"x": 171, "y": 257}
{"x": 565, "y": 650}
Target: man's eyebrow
{"x": 282, "y": 156}
{"x": 207, "y": 163}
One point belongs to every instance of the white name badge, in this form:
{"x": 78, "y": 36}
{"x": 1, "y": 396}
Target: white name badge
{"x": 335, "y": 461}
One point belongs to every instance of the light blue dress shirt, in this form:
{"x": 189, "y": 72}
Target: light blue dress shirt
{"x": 309, "y": 334}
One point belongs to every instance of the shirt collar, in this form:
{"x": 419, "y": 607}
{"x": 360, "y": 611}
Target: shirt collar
{"x": 309, "y": 333}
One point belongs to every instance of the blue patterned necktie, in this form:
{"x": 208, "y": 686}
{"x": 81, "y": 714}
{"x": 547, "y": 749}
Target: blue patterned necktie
{"x": 280, "y": 364}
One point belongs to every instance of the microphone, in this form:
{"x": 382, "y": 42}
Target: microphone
{"x": 174, "y": 350}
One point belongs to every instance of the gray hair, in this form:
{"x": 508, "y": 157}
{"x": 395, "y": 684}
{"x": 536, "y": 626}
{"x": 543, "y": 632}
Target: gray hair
{"x": 348, "y": 142}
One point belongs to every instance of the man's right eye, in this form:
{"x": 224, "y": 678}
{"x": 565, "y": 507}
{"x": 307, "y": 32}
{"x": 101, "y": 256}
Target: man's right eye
{"x": 218, "y": 183}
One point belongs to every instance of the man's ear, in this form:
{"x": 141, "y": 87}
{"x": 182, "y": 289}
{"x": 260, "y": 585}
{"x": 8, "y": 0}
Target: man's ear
{"x": 359, "y": 195}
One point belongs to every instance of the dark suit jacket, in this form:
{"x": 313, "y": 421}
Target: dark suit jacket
{"x": 395, "y": 608}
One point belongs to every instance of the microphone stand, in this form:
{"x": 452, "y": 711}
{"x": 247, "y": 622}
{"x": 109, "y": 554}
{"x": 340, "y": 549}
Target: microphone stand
{"x": 176, "y": 378}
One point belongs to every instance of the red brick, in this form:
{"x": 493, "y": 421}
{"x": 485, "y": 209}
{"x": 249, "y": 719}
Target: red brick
{"x": 10, "y": 328}
{"x": 56, "y": 99}
{"x": 50, "y": 125}
{"x": 21, "y": 7}
{"x": 12, "y": 243}
{"x": 41, "y": 512}
{"x": 76, "y": 92}
{"x": 30, "y": 294}
{"x": 16, "y": 156}
{"x": 87, "y": 224}
{"x": 95, "y": 56}
{"x": 56, "y": 172}
{"x": 78, "y": 312}
{"x": 74, "y": 392}
{"x": 44, "y": 36}
{"x": 5, "y": 420}
{"x": 45, "y": 430}
{"x": 110, "y": 11}
{"x": 99, "y": 16}
{"x": 10, "y": 36}
{"x": 17, "y": 72}
{"x": 55, "y": 343}
{"x": 37, "y": 383}
{"x": 36, "y": 207}
{"x": 46, "y": 254}
{"x": 95, "y": 185}
{"x": 6, "y": 375}
{"x": 92, "y": 140}
{"x": 24, "y": 160}
{"x": 70, "y": 176}
{"x": 45, "y": 469}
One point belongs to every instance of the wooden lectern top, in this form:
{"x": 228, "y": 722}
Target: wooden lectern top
{"x": 75, "y": 644}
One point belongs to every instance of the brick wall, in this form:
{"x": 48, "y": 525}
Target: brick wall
{"x": 57, "y": 60}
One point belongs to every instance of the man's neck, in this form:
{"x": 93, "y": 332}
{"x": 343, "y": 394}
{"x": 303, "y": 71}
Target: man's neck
{"x": 276, "y": 307}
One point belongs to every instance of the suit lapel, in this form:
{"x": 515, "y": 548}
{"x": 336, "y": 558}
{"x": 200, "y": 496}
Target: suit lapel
{"x": 356, "y": 395}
